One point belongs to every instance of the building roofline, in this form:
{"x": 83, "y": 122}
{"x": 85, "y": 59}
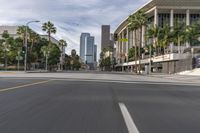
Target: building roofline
{"x": 141, "y": 7}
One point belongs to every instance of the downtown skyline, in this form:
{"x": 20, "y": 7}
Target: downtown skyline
{"x": 70, "y": 17}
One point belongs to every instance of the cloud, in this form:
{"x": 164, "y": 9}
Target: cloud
{"x": 71, "y": 17}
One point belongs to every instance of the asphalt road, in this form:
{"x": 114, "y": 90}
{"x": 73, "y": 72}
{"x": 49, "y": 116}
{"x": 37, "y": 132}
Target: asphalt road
{"x": 61, "y": 106}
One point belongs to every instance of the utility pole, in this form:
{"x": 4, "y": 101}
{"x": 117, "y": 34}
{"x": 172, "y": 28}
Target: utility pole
{"x": 26, "y": 41}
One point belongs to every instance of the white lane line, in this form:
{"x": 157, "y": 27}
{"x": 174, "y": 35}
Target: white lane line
{"x": 22, "y": 86}
{"x": 128, "y": 119}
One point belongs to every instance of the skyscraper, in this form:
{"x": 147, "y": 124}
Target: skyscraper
{"x": 90, "y": 49}
{"x": 87, "y": 50}
{"x": 83, "y": 43}
{"x": 95, "y": 53}
{"x": 105, "y": 37}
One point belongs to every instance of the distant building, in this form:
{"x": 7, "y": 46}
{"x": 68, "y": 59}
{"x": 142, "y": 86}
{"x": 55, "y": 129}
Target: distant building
{"x": 12, "y": 31}
{"x": 105, "y": 37}
{"x": 73, "y": 52}
{"x": 88, "y": 50}
{"x": 95, "y": 53}
{"x": 53, "y": 40}
{"x": 83, "y": 42}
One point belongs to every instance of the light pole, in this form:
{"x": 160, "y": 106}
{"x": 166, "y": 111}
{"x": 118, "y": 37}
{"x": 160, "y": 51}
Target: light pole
{"x": 26, "y": 40}
{"x": 150, "y": 65}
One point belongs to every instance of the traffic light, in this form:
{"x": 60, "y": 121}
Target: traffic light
{"x": 23, "y": 49}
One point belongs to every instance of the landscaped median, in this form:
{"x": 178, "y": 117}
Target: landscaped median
{"x": 7, "y": 72}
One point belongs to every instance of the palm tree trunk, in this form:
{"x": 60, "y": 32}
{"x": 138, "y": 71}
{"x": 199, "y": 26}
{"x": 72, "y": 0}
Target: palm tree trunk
{"x": 31, "y": 47}
{"x": 6, "y": 60}
{"x": 139, "y": 51}
{"x": 135, "y": 54}
{"x": 49, "y": 34}
{"x": 179, "y": 46}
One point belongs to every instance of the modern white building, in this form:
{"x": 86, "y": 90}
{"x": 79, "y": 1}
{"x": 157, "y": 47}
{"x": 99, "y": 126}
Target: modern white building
{"x": 160, "y": 13}
{"x": 12, "y": 30}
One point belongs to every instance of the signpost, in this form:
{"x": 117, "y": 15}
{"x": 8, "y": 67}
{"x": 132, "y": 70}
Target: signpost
{"x": 18, "y": 58}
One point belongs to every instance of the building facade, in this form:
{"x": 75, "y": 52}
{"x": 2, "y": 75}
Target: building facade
{"x": 83, "y": 43}
{"x": 88, "y": 50}
{"x": 105, "y": 37}
{"x": 95, "y": 53}
{"x": 159, "y": 13}
{"x": 12, "y": 31}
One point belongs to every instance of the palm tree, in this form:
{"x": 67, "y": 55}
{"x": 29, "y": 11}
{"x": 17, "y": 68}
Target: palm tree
{"x": 141, "y": 20}
{"x": 33, "y": 37}
{"x": 133, "y": 26}
{"x": 165, "y": 37}
{"x": 6, "y": 41}
{"x": 62, "y": 45}
{"x": 45, "y": 51}
{"x": 50, "y": 29}
{"x": 179, "y": 35}
{"x": 193, "y": 33}
{"x": 153, "y": 32}
{"x": 21, "y": 31}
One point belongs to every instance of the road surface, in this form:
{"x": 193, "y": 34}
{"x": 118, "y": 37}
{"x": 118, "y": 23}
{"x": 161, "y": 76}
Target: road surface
{"x": 61, "y": 105}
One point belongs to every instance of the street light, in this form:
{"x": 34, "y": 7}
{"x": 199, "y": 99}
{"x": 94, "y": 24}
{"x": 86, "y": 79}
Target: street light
{"x": 26, "y": 40}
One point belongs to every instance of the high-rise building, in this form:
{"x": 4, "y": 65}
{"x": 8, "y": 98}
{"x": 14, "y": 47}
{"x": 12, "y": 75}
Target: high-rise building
{"x": 105, "y": 37}
{"x": 83, "y": 43}
{"x": 95, "y": 53}
{"x": 88, "y": 50}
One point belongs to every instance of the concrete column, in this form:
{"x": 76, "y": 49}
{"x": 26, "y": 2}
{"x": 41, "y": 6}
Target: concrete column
{"x": 171, "y": 17}
{"x": 117, "y": 48}
{"x": 132, "y": 42}
{"x": 143, "y": 36}
{"x": 171, "y": 25}
{"x": 187, "y": 17}
{"x": 187, "y": 24}
{"x": 122, "y": 42}
{"x": 155, "y": 17}
{"x": 127, "y": 43}
{"x": 134, "y": 39}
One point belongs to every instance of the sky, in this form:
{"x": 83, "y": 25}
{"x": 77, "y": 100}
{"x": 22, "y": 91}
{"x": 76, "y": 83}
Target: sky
{"x": 71, "y": 17}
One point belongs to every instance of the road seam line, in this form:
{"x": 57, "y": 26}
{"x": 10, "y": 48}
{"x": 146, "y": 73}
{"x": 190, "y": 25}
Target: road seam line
{"x": 128, "y": 119}
{"x": 22, "y": 86}
{"x": 129, "y": 82}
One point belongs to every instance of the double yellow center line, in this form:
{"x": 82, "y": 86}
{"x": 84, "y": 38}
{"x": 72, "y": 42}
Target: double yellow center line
{"x": 22, "y": 86}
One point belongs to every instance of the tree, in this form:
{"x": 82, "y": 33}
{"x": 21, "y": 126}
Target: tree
{"x": 45, "y": 51}
{"x": 54, "y": 55}
{"x": 165, "y": 37}
{"x": 49, "y": 28}
{"x": 21, "y": 31}
{"x": 62, "y": 45}
{"x": 153, "y": 32}
{"x": 193, "y": 33}
{"x": 6, "y": 44}
{"x": 133, "y": 26}
{"x": 140, "y": 21}
{"x": 33, "y": 38}
{"x": 179, "y": 35}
